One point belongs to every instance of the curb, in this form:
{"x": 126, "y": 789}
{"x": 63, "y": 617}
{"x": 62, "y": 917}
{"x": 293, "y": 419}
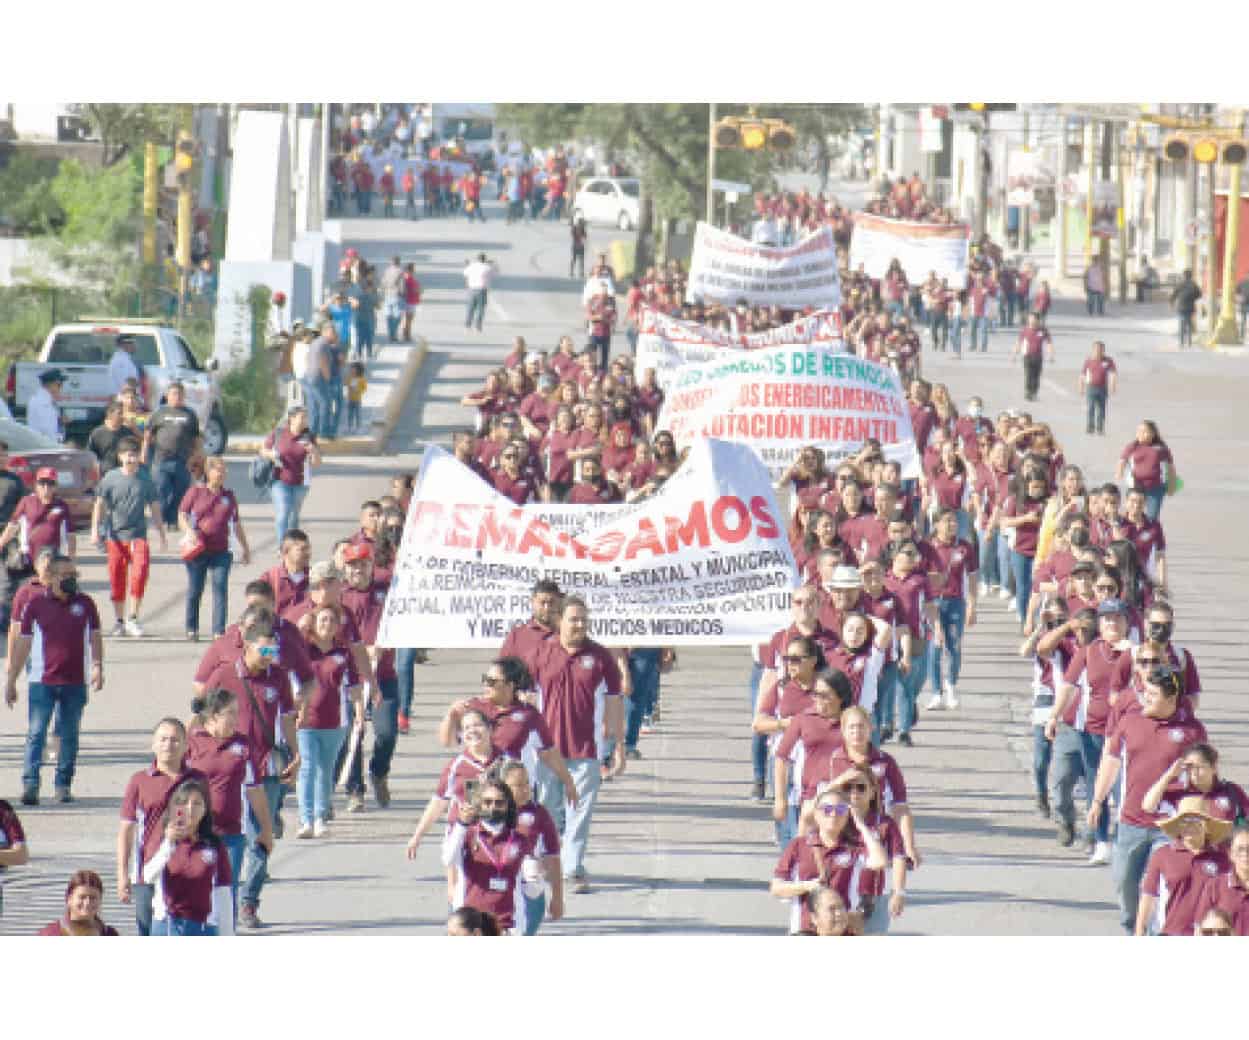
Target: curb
{"x": 375, "y": 443}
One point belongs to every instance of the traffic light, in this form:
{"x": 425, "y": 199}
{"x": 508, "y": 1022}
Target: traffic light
{"x": 983, "y": 106}
{"x": 726, "y": 135}
{"x": 1176, "y": 149}
{"x": 781, "y": 135}
{"x": 753, "y": 133}
{"x": 1205, "y": 148}
{"x": 1234, "y": 152}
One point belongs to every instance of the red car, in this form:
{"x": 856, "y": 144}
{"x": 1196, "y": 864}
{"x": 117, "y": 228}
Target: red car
{"x": 77, "y": 471}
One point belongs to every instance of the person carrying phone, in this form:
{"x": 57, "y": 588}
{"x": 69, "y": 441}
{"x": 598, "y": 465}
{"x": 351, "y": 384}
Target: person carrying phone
{"x": 190, "y": 870}
{"x": 487, "y": 853}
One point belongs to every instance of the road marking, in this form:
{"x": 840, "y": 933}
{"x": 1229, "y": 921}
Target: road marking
{"x": 1057, "y": 388}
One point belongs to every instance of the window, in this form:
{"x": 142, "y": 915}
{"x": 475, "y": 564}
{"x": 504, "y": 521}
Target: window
{"x": 630, "y": 188}
{"x": 96, "y": 348}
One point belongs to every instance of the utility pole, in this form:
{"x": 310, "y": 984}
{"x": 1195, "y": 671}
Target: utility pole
{"x": 185, "y": 165}
{"x": 151, "y": 196}
{"x": 982, "y": 175}
{"x": 1090, "y": 142}
{"x": 1103, "y": 252}
{"x": 1121, "y": 218}
{"x": 1060, "y": 236}
{"x": 1025, "y": 215}
{"x": 1226, "y": 330}
{"x": 711, "y": 162}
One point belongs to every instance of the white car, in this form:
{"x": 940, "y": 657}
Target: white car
{"x": 609, "y": 200}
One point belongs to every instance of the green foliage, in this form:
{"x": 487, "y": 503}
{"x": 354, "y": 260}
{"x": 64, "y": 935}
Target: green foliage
{"x": 100, "y": 206}
{"x": 124, "y": 128}
{"x": 26, "y": 203}
{"x": 249, "y": 395}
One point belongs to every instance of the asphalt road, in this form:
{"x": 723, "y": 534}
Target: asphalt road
{"x": 677, "y": 847}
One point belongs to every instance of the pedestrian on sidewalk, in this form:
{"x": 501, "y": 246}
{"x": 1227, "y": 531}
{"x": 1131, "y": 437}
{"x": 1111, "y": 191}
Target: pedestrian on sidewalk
{"x": 411, "y": 300}
{"x": 1033, "y": 340}
{"x": 207, "y": 514}
{"x": 1095, "y": 289}
{"x": 387, "y": 187}
{"x": 1099, "y": 378}
{"x": 577, "y": 260}
{"x": 980, "y": 299}
{"x": 65, "y": 626}
{"x": 392, "y": 298}
{"x": 477, "y": 277}
{"x": 409, "y": 194}
{"x": 1184, "y": 299}
{"x": 119, "y": 518}
{"x": 292, "y": 448}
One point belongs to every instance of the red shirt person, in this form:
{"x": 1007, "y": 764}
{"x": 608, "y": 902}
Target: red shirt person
{"x": 41, "y": 520}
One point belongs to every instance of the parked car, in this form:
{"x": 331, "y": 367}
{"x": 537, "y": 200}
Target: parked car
{"x": 609, "y": 200}
{"x": 82, "y": 351}
{"x": 77, "y": 471}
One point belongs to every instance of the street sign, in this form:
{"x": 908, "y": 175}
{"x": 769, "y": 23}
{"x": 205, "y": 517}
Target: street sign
{"x": 734, "y": 186}
{"x": 730, "y": 196}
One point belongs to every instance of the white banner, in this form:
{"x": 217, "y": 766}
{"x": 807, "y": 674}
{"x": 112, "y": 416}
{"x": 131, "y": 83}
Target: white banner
{"x": 665, "y": 344}
{"x": 781, "y": 399}
{"x": 727, "y": 268}
{"x": 704, "y": 562}
{"x": 919, "y": 247}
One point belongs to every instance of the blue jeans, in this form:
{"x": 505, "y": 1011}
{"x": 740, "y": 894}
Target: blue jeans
{"x": 1095, "y": 301}
{"x": 317, "y": 403}
{"x": 43, "y": 699}
{"x": 1021, "y": 568}
{"x": 1153, "y": 502}
{"x": 758, "y": 742}
{"x": 1067, "y": 756}
{"x": 1004, "y": 571}
{"x": 476, "y": 308}
{"x": 393, "y": 312}
{"x": 535, "y": 913}
{"x": 1186, "y": 329}
{"x": 952, "y": 616}
{"x": 886, "y": 695}
{"x": 173, "y": 480}
{"x": 385, "y": 733}
{"x": 318, "y": 749}
{"x": 1095, "y": 399}
{"x": 405, "y": 665}
{"x": 288, "y": 500}
{"x": 334, "y": 393}
{"x": 980, "y": 331}
{"x": 988, "y": 557}
{"x": 255, "y": 869}
{"x": 181, "y": 926}
{"x": 644, "y": 674}
{"x": 197, "y": 571}
{"x": 1042, "y": 754}
{"x": 1133, "y": 846}
{"x": 365, "y": 332}
{"x": 956, "y": 334}
{"x": 910, "y": 684}
{"x": 236, "y": 847}
{"x": 141, "y": 896}
{"x": 1091, "y": 748}
{"x": 573, "y": 824}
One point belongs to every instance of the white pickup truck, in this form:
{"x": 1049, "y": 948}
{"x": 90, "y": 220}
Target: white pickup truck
{"x": 82, "y": 350}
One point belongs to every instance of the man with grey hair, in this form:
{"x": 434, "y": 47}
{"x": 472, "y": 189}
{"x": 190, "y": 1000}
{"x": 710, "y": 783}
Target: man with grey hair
{"x": 316, "y": 378}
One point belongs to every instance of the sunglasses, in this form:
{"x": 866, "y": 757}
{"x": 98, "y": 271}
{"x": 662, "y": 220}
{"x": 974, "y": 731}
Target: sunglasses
{"x": 489, "y": 680}
{"x": 1149, "y": 660}
{"x": 796, "y": 658}
{"x": 1105, "y": 588}
{"x": 1216, "y": 931}
{"x": 835, "y": 809}
{"x": 490, "y": 803}
{"x": 856, "y": 788}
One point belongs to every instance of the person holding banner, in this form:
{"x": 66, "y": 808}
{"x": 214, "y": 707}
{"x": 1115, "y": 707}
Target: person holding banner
{"x": 579, "y": 685}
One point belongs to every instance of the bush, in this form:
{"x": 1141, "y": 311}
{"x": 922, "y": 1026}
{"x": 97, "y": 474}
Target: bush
{"x": 250, "y": 396}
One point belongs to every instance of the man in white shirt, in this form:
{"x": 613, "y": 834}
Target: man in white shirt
{"x": 121, "y": 365}
{"x": 477, "y": 275}
{"x": 42, "y": 413}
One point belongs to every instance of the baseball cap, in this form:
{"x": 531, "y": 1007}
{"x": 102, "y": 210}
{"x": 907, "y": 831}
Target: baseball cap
{"x": 1111, "y": 606}
{"x": 52, "y": 375}
{"x": 46, "y": 473}
{"x": 359, "y": 551}
{"x": 323, "y": 572}
{"x": 845, "y": 577}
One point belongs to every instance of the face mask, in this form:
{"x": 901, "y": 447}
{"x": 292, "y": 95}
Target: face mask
{"x": 1078, "y": 538}
{"x": 69, "y": 586}
{"x": 974, "y": 411}
{"x": 494, "y": 819}
{"x": 1159, "y": 631}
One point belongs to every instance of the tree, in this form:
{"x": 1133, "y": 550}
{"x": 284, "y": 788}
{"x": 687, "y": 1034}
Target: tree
{"x": 125, "y": 128}
{"x": 26, "y": 203}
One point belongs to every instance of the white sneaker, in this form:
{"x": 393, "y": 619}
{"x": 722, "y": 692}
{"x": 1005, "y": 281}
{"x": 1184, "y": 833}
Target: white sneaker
{"x": 936, "y": 703}
{"x": 133, "y": 628}
{"x": 1003, "y": 594}
{"x": 1101, "y": 854}
{"x": 1012, "y": 607}
{"x": 305, "y": 831}
{"x": 951, "y": 696}
{"x": 119, "y": 628}
{"x": 318, "y": 829}
{"x": 984, "y": 590}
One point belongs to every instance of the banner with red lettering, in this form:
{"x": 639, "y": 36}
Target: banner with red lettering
{"x": 918, "y": 247}
{"x": 665, "y": 344}
{"x": 703, "y": 562}
{"x": 781, "y": 399}
{"x": 727, "y": 268}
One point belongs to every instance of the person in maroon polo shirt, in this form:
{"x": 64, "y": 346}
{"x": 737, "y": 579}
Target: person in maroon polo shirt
{"x": 1148, "y": 741}
{"x": 578, "y": 683}
{"x": 542, "y": 867}
{"x": 805, "y": 603}
{"x": 1033, "y": 340}
{"x": 809, "y": 740}
{"x": 190, "y": 869}
{"x": 513, "y": 482}
{"x": 289, "y": 579}
{"x": 60, "y": 635}
{"x": 1147, "y": 537}
{"x": 41, "y": 519}
{"x": 1178, "y": 873}
{"x": 1227, "y": 895}
{"x": 83, "y": 896}
{"x": 1149, "y": 462}
{"x": 207, "y": 514}
{"x": 524, "y": 640}
{"x": 487, "y": 853}
{"x": 593, "y": 489}
{"x": 142, "y": 811}
{"x": 954, "y": 593}
{"x": 1099, "y": 378}
{"x": 292, "y": 449}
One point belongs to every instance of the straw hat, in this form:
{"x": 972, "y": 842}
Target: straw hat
{"x": 1194, "y": 805}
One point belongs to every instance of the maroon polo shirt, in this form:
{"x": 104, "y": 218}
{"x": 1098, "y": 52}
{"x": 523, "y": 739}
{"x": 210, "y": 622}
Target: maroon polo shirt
{"x": 523, "y": 641}
{"x": 958, "y": 565}
{"x": 1224, "y": 801}
{"x": 886, "y": 829}
{"x": 489, "y": 868}
{"x": 825, "y": 638}
{"x": 1147, "y": 748}
{"x": 522, "y": 489}
{"x": 1147, "y": 538}
{"x": 29, "y": 592}
{"x": 347, "y": 631}
{"x": 366, "y": 607}
{"x": 806, "y": 858}
{"x": 272, "y": 692}
{"x": 573, "y": 687}
{"x": 287, "y": 590}
{"x": 336, "y": 674}
{"x": 884, "y": 767}
{"x": 808, "y": 743}
{"x": 911, "y": 593}
{"x": 862, "y": 667}
{"x": 535, "y": 823}
{"x": 520, "y": 731}
{"x": 292, "y": 652}
{"x": 1146, "y": 463}
{"x": 229, "y": 766}
{"x": 556, "y": 446}
{"x": 1225, "y": 893}
{"x": 60, "y": 638}
{"x": 1034, "y": 341}
{"x": 586, "y": 494}
{"x": 1026, "y": 535}
{"x": 1092, "y": 672}
{"x": 1097, "y": 373}
{"x": 144, "y": 803}
{"x": 211, "y": 515}
{"x": 193, "y": 871}
{"x": 1176, "y": 877}
{"x": 42, "y": 525}
{"x": 1056, "y": 567}
{"x": 292, "y": 453}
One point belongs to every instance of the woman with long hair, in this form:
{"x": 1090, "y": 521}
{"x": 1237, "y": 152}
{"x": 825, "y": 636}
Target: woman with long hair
{"x": 1070, "y": 498}
{"x": 487, "y": 853}
{"x": 1020, "y": 515}
{"x": 190, "y": 870}
{"x": 83, "y": 896}
{"x": 1147, "y": 464}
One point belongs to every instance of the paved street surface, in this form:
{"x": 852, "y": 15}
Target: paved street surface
{"x": 677, "y": 847}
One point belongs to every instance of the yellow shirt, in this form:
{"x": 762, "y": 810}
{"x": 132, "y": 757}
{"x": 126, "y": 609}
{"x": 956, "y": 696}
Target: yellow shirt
{"x": 356, "y": 385}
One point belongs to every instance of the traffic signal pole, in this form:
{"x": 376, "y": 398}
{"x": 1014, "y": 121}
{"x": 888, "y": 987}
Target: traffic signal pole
{"x": 1226, "y": 331}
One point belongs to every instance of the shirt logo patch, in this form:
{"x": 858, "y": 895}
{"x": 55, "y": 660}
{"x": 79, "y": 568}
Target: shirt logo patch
{"x": 525, "y": 819}
{"x": 517, "y": 716}
{"x": 339, "y": 658}
{"x": 1223, "y": 802}
{"x": 843, "y": 859}
{"x": 379, "y": 596}
{"x": 1177, "y": 736}
{"x": 1146, "y": 535}
{"x": 270, "y": 693}
{"x": 237, "y": 749}
{"x": 210, "y": 856}
{"x": 1211, "y": 869}
{"x": 878, "y": 768}
{"x": 76, "y": 610}
{"x": 858, "y": 664}
{"x": 587, "y": 661}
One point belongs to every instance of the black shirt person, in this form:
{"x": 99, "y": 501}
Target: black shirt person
{"x": 174, "y": 431}
{"x": 108, "y": 435}
{"x": 11, "y": 491}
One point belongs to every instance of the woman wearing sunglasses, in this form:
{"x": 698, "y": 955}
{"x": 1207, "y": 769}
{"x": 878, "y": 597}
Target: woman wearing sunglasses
{"x": 862, "y": 790}
{"x": 485, "y": 852}
{"x": 832, "y": 855}
{"x": 1223, "y": 907}
{"x": 1177, "y": 873}
{"x": 1109, "y": 584}
{"x": 787, "y": 706}
{"x": 1196, "y": 775}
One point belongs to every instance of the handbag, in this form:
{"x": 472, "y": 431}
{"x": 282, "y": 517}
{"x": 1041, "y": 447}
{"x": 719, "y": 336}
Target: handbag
{"x": 191, "y": 546}
{"x": 280, "y": 752}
